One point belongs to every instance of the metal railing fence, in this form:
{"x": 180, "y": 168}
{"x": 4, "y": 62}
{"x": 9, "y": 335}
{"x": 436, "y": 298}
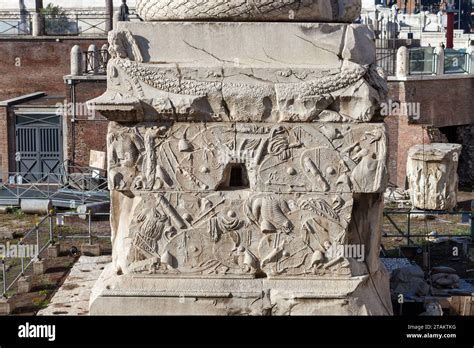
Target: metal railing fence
{"x": 15, "y": 23}
{"x": 69, "y": 186}
{"x": 20, "y": 256}
{"x": 405, "y": 231}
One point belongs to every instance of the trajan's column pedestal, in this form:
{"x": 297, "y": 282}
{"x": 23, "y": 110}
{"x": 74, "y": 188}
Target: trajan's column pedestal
{"x": 246, "y": 161}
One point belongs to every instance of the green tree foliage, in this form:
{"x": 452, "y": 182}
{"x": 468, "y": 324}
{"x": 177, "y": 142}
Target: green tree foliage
{"x": 56, "y": 20}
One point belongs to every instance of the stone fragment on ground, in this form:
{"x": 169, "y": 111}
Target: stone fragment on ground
{"x": 392, "y": 263}
{"x": 432, "y": 175}
{"x": 409, "y": 281}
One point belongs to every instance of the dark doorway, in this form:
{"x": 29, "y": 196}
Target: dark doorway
{"x": 463, "y": 135}
{"x": 38, "y": 147}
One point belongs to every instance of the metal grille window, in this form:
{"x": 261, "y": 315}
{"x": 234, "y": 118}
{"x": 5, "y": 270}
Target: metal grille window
{"x": 386, "y": 55}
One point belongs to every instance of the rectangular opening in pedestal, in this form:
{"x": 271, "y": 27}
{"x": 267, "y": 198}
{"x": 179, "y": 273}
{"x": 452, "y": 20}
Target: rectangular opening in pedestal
{"x": 235, "y": 178}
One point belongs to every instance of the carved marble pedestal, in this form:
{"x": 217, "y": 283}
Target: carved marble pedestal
{"x": 246, "y": 164}
{"x": 432, "y": 175}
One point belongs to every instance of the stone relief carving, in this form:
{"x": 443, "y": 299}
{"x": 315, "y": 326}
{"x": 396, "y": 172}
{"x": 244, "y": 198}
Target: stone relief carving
{"x": 122, "y": 45}
{"x": 286, "y": 10}
{"x": 239, "y": 233}
{"x": 351, "y": 91}
{"x": 180, "y": 97}
{"x": 270, "y": 158}
{"x": 241, "y": 161}
{"x": 432, "y": 175}
{"x": 242, "y": 198}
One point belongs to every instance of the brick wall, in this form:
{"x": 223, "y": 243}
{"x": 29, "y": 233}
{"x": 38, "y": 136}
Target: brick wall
{"x": 86, "y": 134}
{"x": 408, "y": 135}
{"x": 29, "y": 65}
{"x": 410, "y": 5}
{"x": 443, "y": 102}
{"x": 402, "y": 136}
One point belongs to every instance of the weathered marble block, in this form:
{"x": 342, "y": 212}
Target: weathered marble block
{"x": 432, "y": 175}
{"x": 278, "y": 72}
{"x": 263, "y": 157}
{"x": 245, "y": 176}
{"x": 234, "y": 233}
{"x": 238, "y": 252}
